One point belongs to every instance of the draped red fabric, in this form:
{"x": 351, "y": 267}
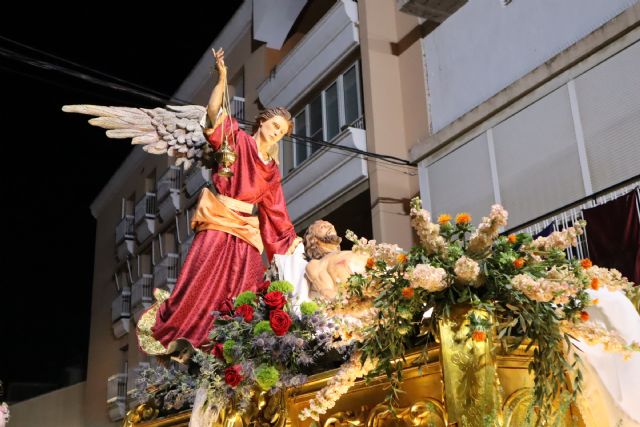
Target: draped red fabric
{"x": 613, "y": 235}
{"x": 219, "y": 266}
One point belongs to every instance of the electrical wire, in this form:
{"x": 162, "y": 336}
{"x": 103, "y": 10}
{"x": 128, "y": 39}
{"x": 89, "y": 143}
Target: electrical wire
{"x": 130, "y": 87}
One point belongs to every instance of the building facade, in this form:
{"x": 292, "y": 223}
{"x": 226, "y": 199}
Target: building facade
{"x": 540, "y": 111}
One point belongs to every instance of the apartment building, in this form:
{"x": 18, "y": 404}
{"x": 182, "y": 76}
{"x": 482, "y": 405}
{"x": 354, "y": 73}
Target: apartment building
{"x": 534, "y": 105}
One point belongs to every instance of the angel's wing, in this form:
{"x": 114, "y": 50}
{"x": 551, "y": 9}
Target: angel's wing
{"x": 176, "y": 130}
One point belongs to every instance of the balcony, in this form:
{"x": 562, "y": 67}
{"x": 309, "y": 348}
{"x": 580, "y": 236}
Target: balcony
{"x": 237, "y": 108}
{"x": 184, "y": 248}
{"x": 169, "y": 193}
{"x": 330, "y": 41}
{"x": 120, "y": 313}
{"x": 569, "y": 215}
{"x": 116, "y": 396}
{"x": 432, "y": 10}
{"x": 196, "y": 179}
{"x": 325, "y": 176}
{"x": 141, "y": 295}
{"x": 165, "y": 273}
{"x": 125, "y": 237}
{"x": 145, "y": 217}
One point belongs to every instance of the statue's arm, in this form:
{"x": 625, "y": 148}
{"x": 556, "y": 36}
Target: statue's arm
{"x": 215, "y": 101}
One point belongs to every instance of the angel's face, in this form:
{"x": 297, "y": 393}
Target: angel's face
{"x": 273, "y": 129}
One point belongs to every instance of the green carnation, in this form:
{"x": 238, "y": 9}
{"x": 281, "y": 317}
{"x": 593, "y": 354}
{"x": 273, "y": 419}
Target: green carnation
{"x": 227, "y": 350}
{"x": 405, "y": 313}
{"x": 266, "y": 376}
{"x": 247, "y": 297}
{"x": 262, "y": 326}
{"x": 281, "y": 286}
{"x": 309, "y": 307}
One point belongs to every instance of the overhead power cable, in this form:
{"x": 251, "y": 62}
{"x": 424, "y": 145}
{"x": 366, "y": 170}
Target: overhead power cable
{"x": 129, "y": 87}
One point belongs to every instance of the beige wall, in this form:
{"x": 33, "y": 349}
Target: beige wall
{"x": 395, "y": 113}
{"x": 60, "y": 408}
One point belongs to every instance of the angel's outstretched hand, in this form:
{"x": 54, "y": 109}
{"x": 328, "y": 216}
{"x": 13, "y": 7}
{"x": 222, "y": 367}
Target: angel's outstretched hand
{"x": 219, "y": 57}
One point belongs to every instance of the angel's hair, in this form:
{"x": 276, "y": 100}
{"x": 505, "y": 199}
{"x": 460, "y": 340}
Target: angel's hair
{"x": 270, "y": 113}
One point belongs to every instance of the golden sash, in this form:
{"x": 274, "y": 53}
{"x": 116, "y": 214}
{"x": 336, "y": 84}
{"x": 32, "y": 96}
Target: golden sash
{"x": 218, "y": 212}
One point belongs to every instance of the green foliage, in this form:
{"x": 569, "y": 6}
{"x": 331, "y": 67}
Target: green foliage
{"x": 262, "y": 326}
{"x": 309, "y": 307}
{"x": 281, "y": 286}
{"x": 266, "y": 376}
{"x": 227, "y": 350}
{"x": 246, "y": 297}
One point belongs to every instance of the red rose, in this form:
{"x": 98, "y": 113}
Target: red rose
{"x": 275, "y": 300}
{"x": 225, "y": 307}
{"x": 262, "y": 288}
{"x": 280, "y": 321}
{"x": 217, "y": 351}
{"x": 246, "y": 311}
{"x": 233, "y": 375}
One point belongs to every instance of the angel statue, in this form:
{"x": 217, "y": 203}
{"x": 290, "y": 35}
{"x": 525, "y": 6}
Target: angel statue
{"x": 241, "y": 216}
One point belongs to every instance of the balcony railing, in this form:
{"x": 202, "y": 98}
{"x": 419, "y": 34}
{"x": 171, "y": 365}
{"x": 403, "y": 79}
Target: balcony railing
{"x": 569, "y": 215}
{"x": 146, "y": 207}
{"x": 116, "y": 387}
{"x": 196, "y": 179}
{"x": 170, "y": 182}
{"x": 124, "y": 229}
{"x": 116, "y": 396}
{"x": 165, "y": 273}
{"x": 237, "y": 107}
{"x": 121, "y": 306}
{"x": 142, "y": 292}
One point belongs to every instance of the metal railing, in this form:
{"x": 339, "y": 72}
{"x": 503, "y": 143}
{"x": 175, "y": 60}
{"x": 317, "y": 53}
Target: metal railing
{"x": 570, "y": 214}
{"x": 171, "y": 179}
{"x": 124, "y": 229}
{"x": 117, "y": 387}
{"x": 121, "y": 305}
{"x": 237, "y": 107}
{"x": 165, "y": 273}
{"x": 142, "y": 291}
{"x": 146, "y": 207}
{"x": 357, "y": 123}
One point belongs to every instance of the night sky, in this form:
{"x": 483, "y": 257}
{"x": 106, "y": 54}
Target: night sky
{"x": 55, "y": 164}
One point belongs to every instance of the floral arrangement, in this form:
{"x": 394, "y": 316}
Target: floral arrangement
{"x": 260, "y": 342}
{"x": 529, "y": 286}
{"x": 532, "y": 291}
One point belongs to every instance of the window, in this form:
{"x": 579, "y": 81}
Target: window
{"x": 299, "y": 145}
{"x": 350, "y": 88}
{"x": 331, "y": 111}
{"x": 334, "y": 109}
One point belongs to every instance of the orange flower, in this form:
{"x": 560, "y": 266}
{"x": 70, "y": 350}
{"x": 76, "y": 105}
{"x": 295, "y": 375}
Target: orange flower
{"x": 479, "y": 336}
{"x": 519, "y": 263}
{"x": 402, "y": 258}
{"x": 444, "y": 218}
{"x": 370, "y": 263}
{"x": 512, "y": 238}
{"x": 463, "y": 218}
{"x": 407, "y": 293}
{"x": 595, "y": 301}
{"x": 586, "y": 263}
{"x": 584, "y": 316}
{"x": 595, "y": 284}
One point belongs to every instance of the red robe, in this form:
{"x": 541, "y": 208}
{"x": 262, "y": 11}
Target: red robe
{"x": 219, "y": 265}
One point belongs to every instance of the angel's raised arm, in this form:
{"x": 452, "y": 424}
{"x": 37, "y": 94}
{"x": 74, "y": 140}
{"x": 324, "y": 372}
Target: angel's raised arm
{"x": 215, "y": 101}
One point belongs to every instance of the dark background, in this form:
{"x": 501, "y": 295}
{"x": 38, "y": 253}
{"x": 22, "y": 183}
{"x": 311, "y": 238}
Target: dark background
{"x": 55, "y": 164}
